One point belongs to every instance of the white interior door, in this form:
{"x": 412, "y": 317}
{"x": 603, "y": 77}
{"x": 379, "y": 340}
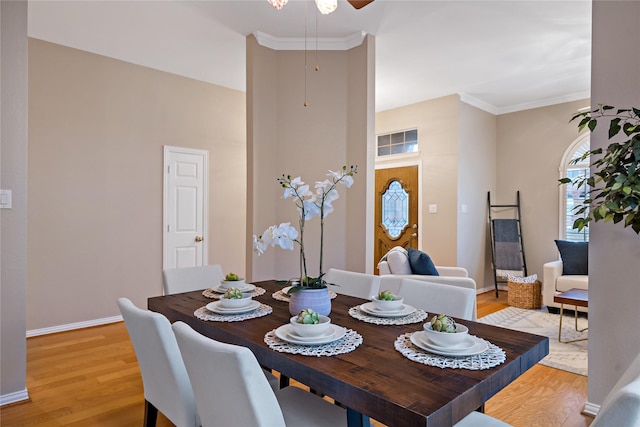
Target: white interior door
{"x": 185, "y": 207}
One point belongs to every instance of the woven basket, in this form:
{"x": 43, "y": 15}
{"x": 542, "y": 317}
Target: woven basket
{"x": 525, "y": 295}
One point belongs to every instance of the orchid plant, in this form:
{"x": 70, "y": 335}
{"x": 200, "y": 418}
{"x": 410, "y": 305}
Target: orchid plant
{"x": 309, "y": 205}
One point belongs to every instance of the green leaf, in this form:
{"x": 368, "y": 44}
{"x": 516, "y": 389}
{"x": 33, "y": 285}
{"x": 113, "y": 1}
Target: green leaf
{"x": 626, "y": 190}
{"x": 607, "y": 107}
{"x": 614, "y": 127}
{"x": 592, "y": 124}
{"x": 629, "y": 219}
{"x": 565, "y": 180}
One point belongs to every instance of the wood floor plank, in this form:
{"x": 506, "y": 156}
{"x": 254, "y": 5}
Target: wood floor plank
{"x": 90, "y": 377}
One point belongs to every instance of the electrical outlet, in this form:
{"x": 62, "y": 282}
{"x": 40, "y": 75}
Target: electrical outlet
{"x": 433, "y": 208}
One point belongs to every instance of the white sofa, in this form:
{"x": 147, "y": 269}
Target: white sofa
{"x": 553, "y": 283}
{"x": 392, "y": 273}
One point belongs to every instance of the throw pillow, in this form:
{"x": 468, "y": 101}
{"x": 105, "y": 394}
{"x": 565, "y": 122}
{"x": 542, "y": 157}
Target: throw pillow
{"x": 398, "y": 262}
{"x": 421, "y": 263}
{"x": 575, "y": 257}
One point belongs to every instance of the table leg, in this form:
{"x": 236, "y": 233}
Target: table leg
{"x": 356, "y": 419}
{"x": 576, "y": 325}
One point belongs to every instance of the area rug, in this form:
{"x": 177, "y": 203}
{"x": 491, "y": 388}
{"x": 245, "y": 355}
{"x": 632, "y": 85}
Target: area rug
{"x": 570, "y": 357}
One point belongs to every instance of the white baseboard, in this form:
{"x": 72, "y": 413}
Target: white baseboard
{"x": 72, "y": 326}
{"x": 17, "y": 396}
{"x": 591, "y": 409}
{"x": 491, "y": 288}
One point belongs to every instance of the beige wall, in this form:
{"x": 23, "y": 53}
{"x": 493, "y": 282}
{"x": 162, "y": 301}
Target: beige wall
{"x": 13, "y": 222}
{"x": 438, "y": 133}
{"x": 476, "y": 176}
{"x": 530, "y": 147}
{"x": 285, "y": 137}
{"x": 97, "y": 128}
{"x": 614, "y": 271}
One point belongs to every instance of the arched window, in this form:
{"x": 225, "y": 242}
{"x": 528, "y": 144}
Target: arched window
{"x": 570, "y": 195}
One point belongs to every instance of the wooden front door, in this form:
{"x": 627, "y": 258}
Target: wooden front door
{"x": 396, "y": 217}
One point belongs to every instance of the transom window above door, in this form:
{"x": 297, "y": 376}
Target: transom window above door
{"x": 398, "y": 142}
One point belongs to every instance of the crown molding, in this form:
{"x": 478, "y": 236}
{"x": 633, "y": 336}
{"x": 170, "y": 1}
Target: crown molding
{"x": 475, "y": 102}
{"x": 545, "y": 102}
{"x": 468, "y": 99}
{"x": 278, "y": 43}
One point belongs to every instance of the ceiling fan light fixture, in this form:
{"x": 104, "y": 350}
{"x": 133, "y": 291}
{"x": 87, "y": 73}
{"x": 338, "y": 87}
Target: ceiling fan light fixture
{"x": 326, "y": 6}
{"x": 278, "y": 4}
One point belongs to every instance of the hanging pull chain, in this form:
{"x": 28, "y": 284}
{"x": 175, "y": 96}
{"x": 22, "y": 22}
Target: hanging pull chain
{"x": 317, "y": 66}
{"x": 305, "y": 53}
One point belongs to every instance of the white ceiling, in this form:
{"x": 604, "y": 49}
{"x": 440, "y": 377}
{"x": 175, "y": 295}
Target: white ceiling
{"x": 501, "y": 56}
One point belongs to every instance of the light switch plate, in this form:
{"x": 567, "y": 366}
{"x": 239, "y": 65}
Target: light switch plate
{"x": 433, "y": 208}
{"x": 5, "y": 199}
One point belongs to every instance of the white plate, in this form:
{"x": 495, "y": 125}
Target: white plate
{"x": 217, "y": 308}
{"x": 418, "y": 339}
{"x": 369, "y": 308}
{"x": 248, "y": 287}
{"x": 293, "y": 335}
{"x": 284, "y": 332}
{"x": 465, "y": 345}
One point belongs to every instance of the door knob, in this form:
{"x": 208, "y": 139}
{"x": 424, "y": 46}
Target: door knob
{"x": 414, "y": 235}
{"x": 415, "y": 226}
{"x": 198, "y": 238}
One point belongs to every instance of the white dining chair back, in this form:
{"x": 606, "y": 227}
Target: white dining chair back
{"x": 621, "y": 407}
{"x": 164, "y": 377}
{"x": 478, "y": 419}
{"x": 351, "y": 283}
{"x": 436, "y": 298}
{"x": 231, "y": 391}
{"x": 178, "y": 280}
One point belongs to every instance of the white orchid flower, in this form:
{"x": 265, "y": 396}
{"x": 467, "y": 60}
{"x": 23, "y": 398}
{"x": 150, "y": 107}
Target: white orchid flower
{"x": 328, "y": 208}
{"x": 311, "y": 209}
{"x": 347, "y": 181}
{"x": 287, "y": 230}
{"x": 335, "y": 175}
{"x": 303, "y": 191}
{"x": 321, "y": 186}
{"x": 259, "y": 246}
{"x": 332, "y": 195}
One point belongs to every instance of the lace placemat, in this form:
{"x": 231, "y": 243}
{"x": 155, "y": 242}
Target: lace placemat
{"x": 281, "y": 296}
{"x": 417, "y": 316}
{"x": 210, "y": 293}
{"x": 203, "y": 314}
{"x": 346, "y": 344}
{"x": 493, "y": 356}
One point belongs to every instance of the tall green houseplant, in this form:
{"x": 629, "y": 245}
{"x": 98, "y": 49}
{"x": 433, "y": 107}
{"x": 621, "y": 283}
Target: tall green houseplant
{"x": 614, "y": 187}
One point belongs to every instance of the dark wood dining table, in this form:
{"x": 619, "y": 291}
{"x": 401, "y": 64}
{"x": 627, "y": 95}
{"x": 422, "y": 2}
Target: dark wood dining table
{"x": 374, "y": 380}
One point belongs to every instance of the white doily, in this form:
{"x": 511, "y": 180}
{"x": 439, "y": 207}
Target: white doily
{"x": 203, "y": 314}
{"x": 281, "y": 296}
{"x": 417, "y": 316}
{"x": 210, "y": 293}
{"x": 493, "y": 356}
{"x": 346, "y": 344}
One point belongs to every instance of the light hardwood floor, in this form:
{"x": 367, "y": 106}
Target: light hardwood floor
{"x": 90, "y": 377}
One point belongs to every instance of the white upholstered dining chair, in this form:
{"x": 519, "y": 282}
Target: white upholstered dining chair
{"x": 354, "y": 284}
{"x": 178, "y": 280}
{"x": 621, "y": 407}
{"x": 164, "y": 377}
{"x": 436, "y": 298}
{"x": 231, "y": 391}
